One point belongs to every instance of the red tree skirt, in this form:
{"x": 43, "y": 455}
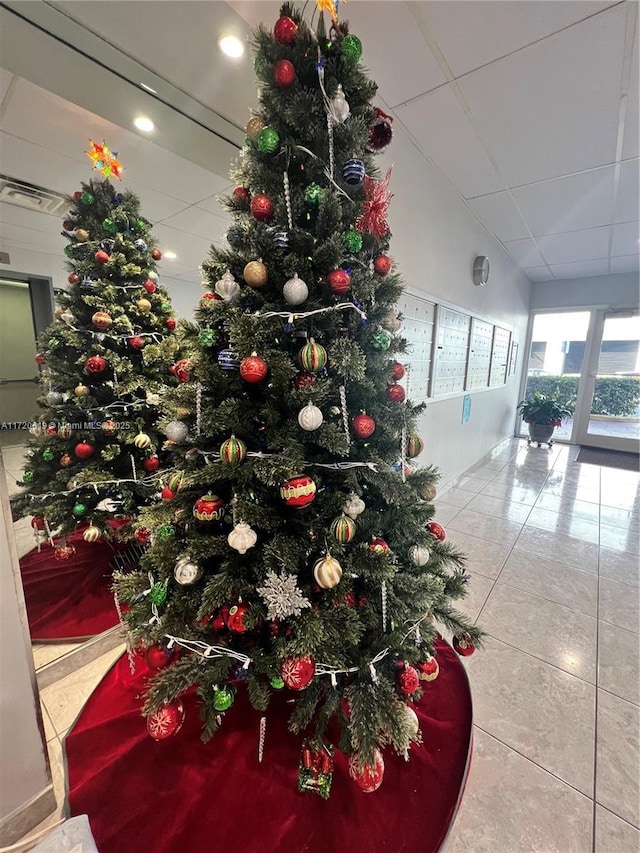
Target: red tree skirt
{"x": 181, "y": 795}
{"x": 70, "y": 599}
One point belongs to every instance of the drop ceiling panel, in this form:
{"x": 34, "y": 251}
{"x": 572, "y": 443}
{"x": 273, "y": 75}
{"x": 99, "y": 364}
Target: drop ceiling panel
{"x": 404, "y": 70}
{"x": 584, "y": 245}
{"x": 481, "y": 32}
{"x": 625, "y": 239}
{"x": 443, "y": 132}
{"x": 39, "y": 165}
{"x": 627, "y": 202}
{"x": 33, "y": 219}
{"x": 539, "y": 273}
{"x": 632, "y": 120}
{"x": 626, "y": 263}
{"x": 5, "y": 80}
{"x": 212, "y": 205}
{"x": 567, "y": 204}
{"x": 545, "y": 115}
{"x": 525, "y": 253}
{"x": 178, "y": 41}
{"x": 500, "y": 215}
{"x": 51, "y": 243}
{"x": 581, "y": 269}
{"x": 191, "y": 250}
{"x": 200, "y": 222}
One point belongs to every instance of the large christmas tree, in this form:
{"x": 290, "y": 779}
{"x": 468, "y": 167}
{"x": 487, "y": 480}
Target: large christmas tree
{"x": 296, "y": 546}
{"x": 105, "y": 365}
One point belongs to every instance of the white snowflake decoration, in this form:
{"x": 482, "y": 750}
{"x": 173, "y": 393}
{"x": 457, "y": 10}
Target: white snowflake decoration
{"x": 281, "y": 595}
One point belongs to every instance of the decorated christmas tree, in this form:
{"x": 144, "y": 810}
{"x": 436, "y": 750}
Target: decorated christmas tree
{"x": 105, "y": 364}
{"x": 296, "y": 547}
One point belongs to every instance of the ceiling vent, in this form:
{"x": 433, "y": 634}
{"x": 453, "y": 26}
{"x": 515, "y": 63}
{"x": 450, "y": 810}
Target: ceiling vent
{"x": 32, "y": 197}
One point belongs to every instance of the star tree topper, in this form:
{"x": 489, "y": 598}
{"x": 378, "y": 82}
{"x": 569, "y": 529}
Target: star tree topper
{"x": 376, "y": 206}
{"x": 281, "y": 595}
{"x": 104, "y": 160}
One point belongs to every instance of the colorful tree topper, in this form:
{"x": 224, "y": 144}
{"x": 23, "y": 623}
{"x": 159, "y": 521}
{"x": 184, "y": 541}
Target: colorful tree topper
{"x": 104, "y": 160}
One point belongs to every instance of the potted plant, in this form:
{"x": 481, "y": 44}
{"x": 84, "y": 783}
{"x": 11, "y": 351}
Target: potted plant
{"x": 543, "y": 414}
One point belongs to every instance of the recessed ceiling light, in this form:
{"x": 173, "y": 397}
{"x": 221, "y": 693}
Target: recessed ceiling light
{"x": 144, "y": 124}
{"x": 148, "y": 88}
{"x": 171, "y": 256}
{"x": 231, "y": 46}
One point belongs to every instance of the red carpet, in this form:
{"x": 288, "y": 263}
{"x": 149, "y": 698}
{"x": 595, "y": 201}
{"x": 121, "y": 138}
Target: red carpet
{"x": 72, "y": 599}
{"x": 182, "y": 796}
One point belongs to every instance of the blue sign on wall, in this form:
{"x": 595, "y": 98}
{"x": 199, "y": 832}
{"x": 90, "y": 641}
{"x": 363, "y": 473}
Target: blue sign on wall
{"x": 466, "y": 408}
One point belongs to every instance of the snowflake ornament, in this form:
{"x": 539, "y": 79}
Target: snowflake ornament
{"x": 281, "y": 595}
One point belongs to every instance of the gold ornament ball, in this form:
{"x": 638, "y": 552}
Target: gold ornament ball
{"x": 81, "y": 235}
{"x": 81, "y": 391}
{"x": 142, "y": 440}
{"x": 144, "y": 305}
{"x": 427, "y": 492}
{"x": 182, "y": 412}
{"x": 91, "y": 534}
{"x": 327, "y": 572}
{"x": 255, "y": 274}
{"x": 58, "y": 313}
{"x": 254, "y": 126}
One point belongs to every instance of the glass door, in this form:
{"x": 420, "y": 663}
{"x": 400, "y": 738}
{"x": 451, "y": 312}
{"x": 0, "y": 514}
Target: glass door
{"x": 608, "y": 415}
{"x": 556, "y": 356}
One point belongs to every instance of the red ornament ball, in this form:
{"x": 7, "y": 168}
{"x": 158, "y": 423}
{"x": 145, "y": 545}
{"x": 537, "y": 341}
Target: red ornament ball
{"x": 181, "y": 369}
{"x": 101, "y": 257}
{"x": 210, "y": 297}
{"x": 396, "y": 393}
{"x": 84, "y": 450}
{"x": 284, "y": 74}
{"x": 171, "y": 323}
{"x": 429, "y": 670}
{"x": 136, "y": 342}
{"x": 463, "y": 646}
{"x": 76, "y": 197}
{"x": 109, "y": 427}
{"x": 298, "y": 492}
{"x": 37, "y": 522}
{"x": 95, "y": 364}
{"x": 66, "y": 460}
{"x": 297, "y": 673}
{"x": 151, "y": 464}
{"x": 261, "y": 208}
{"x": 339, "y": 282}
{"x": 64, "y": 552}
{"x": 382, "y": 264}
{"x": 236, "y": 617}
{"x": 398, "y": 371}
{"x": 208, "y": 508}
{"x": 157, "y": 656}
{"x": 166, "y": 494}
{"x": 285, "y": 30}
{"x": 379, "y": 546}
{"x": 305, "y": 379}
{"x": 142, "y": 534}
{"x": 73, "y": 278}
{"x": 436, "y": 530}
{"x": 149, "y": 286}
{"x": 156, "y": 254}
{"x": 40, "y": 358}
{"x": 364, "y": 425}
{"x": 241, "y": 194}
{"x": 166, "y": 721}
{"x": 51, "y": 430}
{"x": 408, "y": 680}
{"x": 367, "y": 776}
{"x": 253, "y": 368}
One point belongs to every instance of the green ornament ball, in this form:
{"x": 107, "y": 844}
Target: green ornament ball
{"x": 268, "y": 140}
{"x": 353, "y": 240}
{"x": 68, "y": 250}
{"x": 142, "y": 224}
{"x": 79, "y": 510}
{"x": 223, "y": 699}
{"x": 381, "y": 340}
{"x": 165, "y": 531}
{"x": 47, "y": 455}
{"x": 352, "y": 48}
{"x": 87, "y": 198}
{"x": 166, "y": 306}
{"x": 207, "y": 337}
{"x": 158, "y": 594}
{"x": 27, "y": 477}
{"x": 109, "y": 226}
{"x": 53, "y": 343}
{"x": 313, "y": 194}
{"x": 276, "y": 682}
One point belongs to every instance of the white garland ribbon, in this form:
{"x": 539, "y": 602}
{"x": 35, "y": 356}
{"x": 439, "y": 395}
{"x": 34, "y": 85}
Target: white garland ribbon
{"x": 326, "y": 172}
{"x": 290, "y": 316}
{"x": 334, "y": 466}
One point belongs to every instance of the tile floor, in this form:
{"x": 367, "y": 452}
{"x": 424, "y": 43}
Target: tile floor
{"x": 553, "y": 557}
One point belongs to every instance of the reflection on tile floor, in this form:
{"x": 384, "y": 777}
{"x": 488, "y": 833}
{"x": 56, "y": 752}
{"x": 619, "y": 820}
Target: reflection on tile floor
{"x": 562, "y": 655}
{"x": 554, "y": 581}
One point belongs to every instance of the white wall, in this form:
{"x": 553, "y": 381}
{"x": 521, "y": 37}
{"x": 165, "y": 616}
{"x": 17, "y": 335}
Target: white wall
{"x": 435, "y": 240}
{"x": 614, "y": 291}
